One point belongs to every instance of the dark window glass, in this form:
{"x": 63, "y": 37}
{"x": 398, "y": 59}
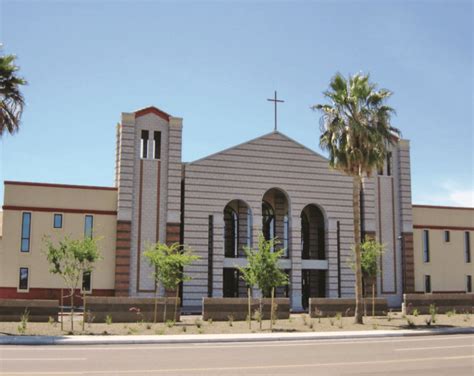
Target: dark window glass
{"x": 389, "y": 164}
{"x": 58, "y": 221}
{"x": 268, "y": 221}
{"x": 88, "y": 226}
{"x": 86, "y": 281}
{"x": 231, "y": 232}
{"x": 157, "y": 145}
{"x": 468, "y": 283}
{"x": 467, "y": 246}
{"x": 427, "y": 283}
{"x": 144, "y": 145}
{"x": 23, "y": 282}
{"x": 446, "y": 236}
{"x": 25, "y": 232}
{"x": 426, "y": 246}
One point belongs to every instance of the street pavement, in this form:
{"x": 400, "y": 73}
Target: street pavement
{"x": 428, "y": 355}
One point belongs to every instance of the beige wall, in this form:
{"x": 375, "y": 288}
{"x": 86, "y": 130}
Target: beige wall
{"x": 447, "y": 266}
{"x": 31, "y": 198}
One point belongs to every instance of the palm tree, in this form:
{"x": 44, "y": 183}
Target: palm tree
{"x": 356, "y": 131}
{"x": 11, "y": 99}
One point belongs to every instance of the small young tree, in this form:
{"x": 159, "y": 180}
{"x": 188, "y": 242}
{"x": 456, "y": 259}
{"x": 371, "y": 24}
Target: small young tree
{"x": 371, "y": 251}
{"x": 70, "y": 259}
{"x": 168, "y": 262}
{"x": 249, "y": 277}
{"x": 263, "y": 271}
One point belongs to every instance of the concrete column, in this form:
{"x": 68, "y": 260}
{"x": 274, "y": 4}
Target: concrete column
{"x": 295, "y": 256}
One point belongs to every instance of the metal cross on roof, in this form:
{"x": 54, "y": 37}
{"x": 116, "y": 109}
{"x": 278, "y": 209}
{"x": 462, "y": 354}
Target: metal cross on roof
{"x": 275, "y": 101}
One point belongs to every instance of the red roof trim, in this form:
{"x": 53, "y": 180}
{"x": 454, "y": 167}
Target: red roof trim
{"x": 59, "y": 210}
{"x": 443, "y": 207}
{"x": 152, "y": 110}
{"x": 70, "y": 186}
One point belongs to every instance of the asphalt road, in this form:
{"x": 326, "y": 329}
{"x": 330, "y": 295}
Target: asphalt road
{"x": 434, "y": 355}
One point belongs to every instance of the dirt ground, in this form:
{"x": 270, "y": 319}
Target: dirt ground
{"x": 195, "y": 325}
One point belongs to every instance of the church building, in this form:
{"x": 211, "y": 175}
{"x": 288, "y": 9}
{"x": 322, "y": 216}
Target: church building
{"x": 216, "y": 205}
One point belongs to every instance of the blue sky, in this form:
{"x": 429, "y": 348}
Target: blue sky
{"x": 214, "y": 64}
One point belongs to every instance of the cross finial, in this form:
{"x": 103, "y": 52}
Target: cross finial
{"x": 276, "y": 101}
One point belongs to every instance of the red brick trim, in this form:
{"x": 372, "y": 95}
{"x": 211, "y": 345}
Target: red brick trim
{"x": 442, "y": 207}
{"x": 172, "y": 233}
{"x": 152, "y": 110}
{"x": 59, "y": 210}
{"x": 122, "y": 258}
{"x": 436, "y": 227}
{"x": 53, "y": 185}
{"x": 409, "y": 263}
{"x": 48, "y": 293}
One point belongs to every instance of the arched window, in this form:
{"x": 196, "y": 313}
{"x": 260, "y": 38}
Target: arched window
{"x": 231, "y": 232}
{"x": 313, "y": 233}
{"x": 268, "y": 219}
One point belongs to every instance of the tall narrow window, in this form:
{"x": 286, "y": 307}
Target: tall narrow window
{"x": 446, "y": 237}
{"x": 58, "y": 221}
{"x": 88, "y": 226}
{"x": 249, "y": 227}
{"x": 427, "y": 283}
{"x": 286, "y": 231}
{"x": 469, "y": 283}
{"x": 86, "y": 282}
{"x": 389, "y": 164}
{"x": 157, "y": 145}
{"x": 426, "y": 246}
{"x": 467, "y": 246}
{"x": 210, "y": 252}
{"x": 144, "y": 145}
{"x": 23, "y": 280}
{"x": 25, "y": 232}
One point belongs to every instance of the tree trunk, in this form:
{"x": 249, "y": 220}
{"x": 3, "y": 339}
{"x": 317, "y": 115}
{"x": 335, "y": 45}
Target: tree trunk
{"x": 250, "y": 307}
{"x": 261, "y": 310}
{"x": 62, "y": 310}
{"x": 155, "y": 309}
{"x": 373, "y": 298}
{"x": 166, "y": 307}
{"x": 271, "y": 309}
{"x": 84, "y": 311}
{"x": 72, "y": 311}
{"x": 358, "y": 317}
{"x": 176, "y": 304}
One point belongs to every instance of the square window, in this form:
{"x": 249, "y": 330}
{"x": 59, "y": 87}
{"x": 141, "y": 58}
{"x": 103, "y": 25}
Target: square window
{"x": 58, "y": 221}
{"x": 23, "y": 281}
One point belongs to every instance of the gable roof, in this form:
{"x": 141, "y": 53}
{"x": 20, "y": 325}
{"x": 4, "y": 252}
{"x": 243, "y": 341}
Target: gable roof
{"x": 277, "y": 133}
{"x": 152, "y": 110}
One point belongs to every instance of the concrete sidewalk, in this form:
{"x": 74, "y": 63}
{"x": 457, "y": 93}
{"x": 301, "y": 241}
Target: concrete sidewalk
{"x": 222, "y": 338}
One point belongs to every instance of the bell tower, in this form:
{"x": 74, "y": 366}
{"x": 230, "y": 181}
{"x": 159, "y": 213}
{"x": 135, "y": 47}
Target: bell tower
{"x": 148, "y": 178}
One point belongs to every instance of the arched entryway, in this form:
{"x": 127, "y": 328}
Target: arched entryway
{"x": 313, "y": 248}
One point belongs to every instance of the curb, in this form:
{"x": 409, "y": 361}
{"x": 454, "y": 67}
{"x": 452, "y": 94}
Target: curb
{"x": 224, "y": 338}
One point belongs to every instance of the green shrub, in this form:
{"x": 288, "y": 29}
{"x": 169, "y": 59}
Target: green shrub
{"x": 198, "y": 323}
{"x": 23, "y": 322}
{"x": 108, "y": 319}
{"x": 170, "y": 323}
{"x": 258, "y": 317}
{"x": 433, "y": 311}
{"x": 184, "y": 328}
{"x": 209, "y": 321}
{"x": 416, "y": 312}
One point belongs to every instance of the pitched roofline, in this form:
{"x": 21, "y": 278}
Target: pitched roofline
{"x": 252, "y": 140}
{"x": 442, "y": 207}
{"x": 152, "y": 110}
